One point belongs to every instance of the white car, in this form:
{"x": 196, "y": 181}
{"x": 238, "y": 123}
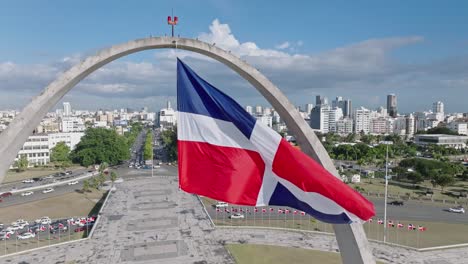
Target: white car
{"x": 27, "y": 193}
{"x": 26, "y": 235}
{"x": 48, "y": 190}
{"x": 73, "y": 183}
{"x": 43, "y": 220}
{"x": 7, "y": 231}
{"x": 28, "y": 181}
{"x": 236, "y": 216}
{"x": 13, "y": 228}
{"x": 49, "y": 177}
{"x": 221, "y": 204}
{"x": 459, "y": 210}
{"x": 20, "y": 222}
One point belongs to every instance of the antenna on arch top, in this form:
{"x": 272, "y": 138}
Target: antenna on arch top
{"x": 172, "y": 20}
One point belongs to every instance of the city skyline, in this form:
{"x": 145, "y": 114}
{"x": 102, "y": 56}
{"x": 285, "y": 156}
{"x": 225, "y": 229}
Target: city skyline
{"x": 410, "y": 61}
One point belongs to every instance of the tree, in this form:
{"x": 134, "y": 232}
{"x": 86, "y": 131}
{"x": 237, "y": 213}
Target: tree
{"x": 100, "y": 145}
{"x": 95, "y": 183}
{"x": 169, "y": 138}
{"x": 415, "y": 177}
{"x": 22, "y": 163}
{"x": 444, "y": 180}
{"x": 86, "y": 186}
{"x": 61, "y": 154}
{"x": 113, "y": 176}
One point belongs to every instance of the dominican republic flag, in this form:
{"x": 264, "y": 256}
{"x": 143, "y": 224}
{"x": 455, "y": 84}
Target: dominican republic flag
{"x": 225, "y": 154}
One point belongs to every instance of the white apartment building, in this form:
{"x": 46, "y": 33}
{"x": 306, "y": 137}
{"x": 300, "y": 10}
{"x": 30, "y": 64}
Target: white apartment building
{"x": 67, "y": 111}
{"x": 36, "y": 150}
{"x": 323, "y": 118}
{"x": 37, "y": 147}
{"x": 344, "y": 126}
{"x": 410, "y": 125}
{"x": 167, "y": 117}
{"x": 379, "y": 125}
{"x": 249, "y": 109}
{"x": 265, "y": 119}
{"x": 71, "y": 139}
{"x": 362, "y": 120}
{"x": 72, "y": 124}
{"x": 459, "y": 127}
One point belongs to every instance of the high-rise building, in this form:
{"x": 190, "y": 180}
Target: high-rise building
{"x": 66, "y": 109}
{"x": 249, "y": 109}
{"x": 320, "y": 100}
{"x": 324, "y": 118}
{"x": 258, "y": 110}
{"x": 438, "y": 107}
{"x": 345, "y": 105}
{"x": 410, "y": 125}
{"x": 392, "y": 105}
{"x": 362, "y": 120}
{"x": 308, "y": 108}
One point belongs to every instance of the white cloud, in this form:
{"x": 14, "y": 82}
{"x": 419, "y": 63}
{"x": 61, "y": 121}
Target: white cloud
{"x": 364, "y": 71}
{"x": 283, "y": 45}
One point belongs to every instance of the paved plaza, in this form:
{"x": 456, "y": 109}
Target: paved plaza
{"x": 146, "y": 220}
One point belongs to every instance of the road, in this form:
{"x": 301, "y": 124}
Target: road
{"x": 412, "y": 210}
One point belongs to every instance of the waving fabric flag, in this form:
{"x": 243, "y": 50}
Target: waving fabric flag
{"x": 225, "y": 154}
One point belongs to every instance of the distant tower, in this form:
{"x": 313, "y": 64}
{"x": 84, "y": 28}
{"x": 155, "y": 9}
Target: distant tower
{"x": 66, "y": 109}
{"x": 168, "y": 105}
{"x": 438, "y": 107}
{"x": 308, "y": 108}
{"x": 249, "y": 109}
{"x": 258, "y": 110}
{"x": 320, "y": 100}
{"x": 392, "y": 105}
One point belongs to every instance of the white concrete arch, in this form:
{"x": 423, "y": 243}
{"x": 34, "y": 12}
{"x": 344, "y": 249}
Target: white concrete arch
{"x": 351, "y": 238}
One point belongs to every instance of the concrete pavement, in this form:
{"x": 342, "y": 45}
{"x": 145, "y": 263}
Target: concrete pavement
{"x": 146, "y": 220}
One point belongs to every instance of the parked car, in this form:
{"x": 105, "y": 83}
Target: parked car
{"x": 48, "y": 190}
{"x": 73, "y": 183}
{"x": 20, "y": 222}
{"x": 26, "y": 235}
{"x": 27, "y": 193}
{"x": 397, "y": 203}
{"x": 221, "y": 204}
{"x": 48, "y": 177}
{"x": 6, "y": 194}
{"x": 459, "y": 210}
{"x": 69, "y": 172}
{"x": 43, "y": 220}
{"x": 236, "y": 216}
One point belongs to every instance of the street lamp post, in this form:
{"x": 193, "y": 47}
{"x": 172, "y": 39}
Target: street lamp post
{"x": 386, "y": 191}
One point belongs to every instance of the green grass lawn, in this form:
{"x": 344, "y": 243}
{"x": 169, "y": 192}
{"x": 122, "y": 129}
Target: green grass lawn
{"x": 378, "y": 186}
{"x": 13, "y": 176}
{"x": 265, "y": 254}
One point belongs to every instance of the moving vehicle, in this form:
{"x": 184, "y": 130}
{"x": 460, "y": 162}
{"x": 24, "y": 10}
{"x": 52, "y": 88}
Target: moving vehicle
{"x": 221, "y": 204}
{"x": 28, "y": 181}
{"x": 48, "y": 190}
{"x": 458, "y": 210}
{"x": 73, "y": 183}
{"x": 26, "y": 235}
{"x": 236, "y": 216}
{"x": 397, "y": 203}
{"x": 27, "y": 193}
{"x": 6, "y": 194}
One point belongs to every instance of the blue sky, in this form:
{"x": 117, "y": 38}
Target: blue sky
{"x": 358, "y": 49}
